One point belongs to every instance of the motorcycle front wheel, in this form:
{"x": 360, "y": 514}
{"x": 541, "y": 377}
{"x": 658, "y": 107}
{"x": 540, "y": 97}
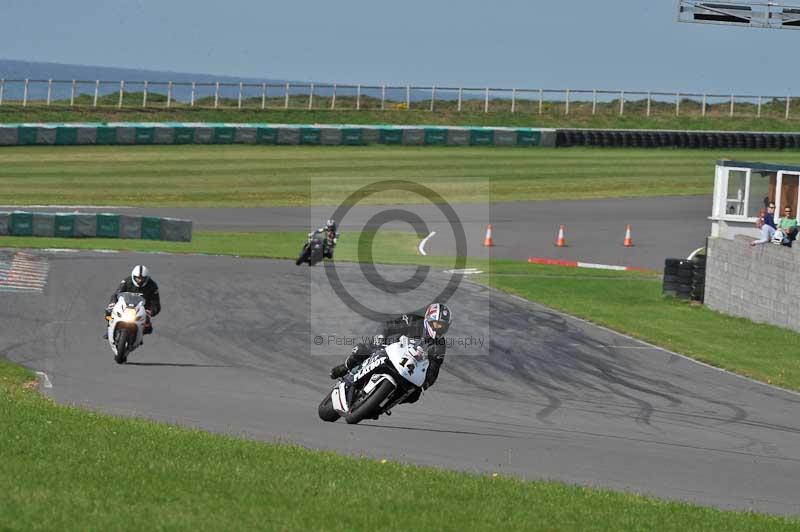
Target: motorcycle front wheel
{"x": 326, "y": 411}
{"x": 122, "y": 347}
{"x": 369, "y": 407}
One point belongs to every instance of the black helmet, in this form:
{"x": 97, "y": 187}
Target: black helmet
{"x": 437, "y": 319}
{"x": 331, "y": 225}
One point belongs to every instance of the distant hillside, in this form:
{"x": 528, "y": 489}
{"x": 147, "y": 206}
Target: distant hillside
{"x": 13, "y": 69}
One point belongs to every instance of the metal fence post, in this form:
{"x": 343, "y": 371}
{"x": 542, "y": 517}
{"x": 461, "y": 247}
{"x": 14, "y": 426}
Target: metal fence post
{"x": 2, "y": 89}
{"x": 704, "y": 105}
{"x": 216, "y": 95}
{"x": 383, "y": 97}
{"x": 460, "y": 96}
{"x": 191, "y": 101}
{"x": 239, "y": 100}
{"x": 144, "y": 95}
{"x": 333, "y": 98}
{"x": 263, "y": 95}
{"x": 758, "y": 112}
{"x": 358, "y": 97}
{"x": 433, "y": 96}
{"x": 648, "y": 103}
{"x": 121, "y": 93}
{"x": 677, "y": 104}
{"x": 566, "y": 99}
{"x": 788, "y": 103}
{"x": 286, "y": 97}
{"x": 169, "y": 94}
{"x": 72, "y": 94}
{"x": 513, "y": 100}
{"x": 594, "y": 101}
{"x": 486, "y": 101}
{"x": 25, "y": 94}
{"x": 541, "y": 100}
{"x": 49, "y": 90}
{"x": 408, "y": 97}
{"x": 732, "y": 99}
{"x": 621, "y": 103}
{"x": 96, "y": 92}
{"x": 311, "y": 96}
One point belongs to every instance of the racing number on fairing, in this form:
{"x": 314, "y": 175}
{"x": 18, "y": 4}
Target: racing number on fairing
{"x": 409, "y": 367}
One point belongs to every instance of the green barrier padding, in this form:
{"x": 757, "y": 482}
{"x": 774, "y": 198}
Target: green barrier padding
{"x": 22, "y": 223}
{"x": 435, "y": 136}
{"x": 44, "y": 224}
{"x": 5, "y": 223}
{"x": 145, "y": 135}
{"x": 481, "y": 137}
{"x": 27, "y": 135}
{"x": 391, "y": 136}
{"x": 310, "y": 135}
{"x": 106, "y": 135}
{"x": 108, "y": 225}
{"x": 223, "y": 135}
{"x": 529, "y": 138}
{"x": 184, "y": 135}
{"x": 151, "y": 228}
{"x": 64, "y": 226}
{"x": 66, "y": 136}
{"x": 266, "y": 135}
{"x": 353, "y": 136}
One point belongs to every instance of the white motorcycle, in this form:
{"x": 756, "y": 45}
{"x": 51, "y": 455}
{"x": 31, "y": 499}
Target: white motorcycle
{"x": 378, "y": 384}
{"x": 126, "y": 325}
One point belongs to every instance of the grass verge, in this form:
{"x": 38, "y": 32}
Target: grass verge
{"x": 257, "y": 176}
{"x": 62, "y": 468}
{"x": 553, "y": 117}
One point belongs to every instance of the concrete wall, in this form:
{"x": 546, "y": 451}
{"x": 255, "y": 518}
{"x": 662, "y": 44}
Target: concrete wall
{"x": 761, "y": 283}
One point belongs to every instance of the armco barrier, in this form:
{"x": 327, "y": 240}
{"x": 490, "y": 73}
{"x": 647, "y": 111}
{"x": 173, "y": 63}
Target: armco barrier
{"x": 196, "y": 133}
{"x": 90, "y": 225}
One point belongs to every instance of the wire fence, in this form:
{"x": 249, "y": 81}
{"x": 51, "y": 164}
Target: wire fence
{"x": 542, "y": 101}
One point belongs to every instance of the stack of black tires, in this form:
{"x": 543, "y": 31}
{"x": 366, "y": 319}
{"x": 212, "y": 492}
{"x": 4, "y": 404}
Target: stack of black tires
{"x": 685, "y": 278}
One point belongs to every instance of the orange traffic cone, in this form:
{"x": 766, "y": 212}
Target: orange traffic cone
{"x": 560, "y": 242}
{"x": 628, "y": 242}
{"x": 487, "y": 241}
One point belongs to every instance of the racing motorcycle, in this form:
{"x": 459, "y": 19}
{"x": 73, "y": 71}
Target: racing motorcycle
{"x": 378, "y": 384}
{"x": 313, "y": 251}
{"x": 126, "y": 325}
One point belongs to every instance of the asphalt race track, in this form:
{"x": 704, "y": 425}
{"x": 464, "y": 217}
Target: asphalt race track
{"x": 662, "y": 227}
{"x": 553, "y": 398}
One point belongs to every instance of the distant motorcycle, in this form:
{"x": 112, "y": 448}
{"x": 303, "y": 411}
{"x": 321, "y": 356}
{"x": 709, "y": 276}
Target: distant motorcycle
{"x": 126, "y": 325}
{"x": 313, "y": 251}
{"x": 378, "y": 384}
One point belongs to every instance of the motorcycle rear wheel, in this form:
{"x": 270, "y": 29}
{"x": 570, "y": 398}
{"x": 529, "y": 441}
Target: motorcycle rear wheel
{"x": 370, "y": 406}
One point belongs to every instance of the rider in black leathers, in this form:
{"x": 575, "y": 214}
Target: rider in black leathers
{"x": 428, "y": 328}
{"x": 139, "y": 282}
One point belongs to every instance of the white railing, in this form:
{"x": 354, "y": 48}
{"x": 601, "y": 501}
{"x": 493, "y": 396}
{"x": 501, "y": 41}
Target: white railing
{"x": 242, "y": 95}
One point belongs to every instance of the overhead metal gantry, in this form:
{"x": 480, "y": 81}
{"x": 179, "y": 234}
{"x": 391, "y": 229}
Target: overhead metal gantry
{"x": 771, "y": 15}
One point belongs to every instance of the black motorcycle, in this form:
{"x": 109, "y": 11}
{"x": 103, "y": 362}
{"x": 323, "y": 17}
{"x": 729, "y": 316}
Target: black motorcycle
{"x": 313, "y": 251}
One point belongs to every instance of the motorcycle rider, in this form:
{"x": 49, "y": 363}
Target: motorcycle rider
{"x": 331, "y": 236}
{"x": 139, "y": 282}
{"x": 429, "y": 329}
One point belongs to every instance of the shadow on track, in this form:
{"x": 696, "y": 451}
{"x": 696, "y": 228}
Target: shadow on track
{"x": 177, "y": 365}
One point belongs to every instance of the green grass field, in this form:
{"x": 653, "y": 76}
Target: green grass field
{"x": 250, "y": 176}
{"x": 63, "y": 468}
{"x": 580, "y": 116}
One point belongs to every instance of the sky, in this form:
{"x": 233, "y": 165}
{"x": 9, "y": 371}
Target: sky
{"x": 578, "y": 44}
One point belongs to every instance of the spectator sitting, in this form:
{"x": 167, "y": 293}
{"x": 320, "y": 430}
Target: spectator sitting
{"x": 767, "y": 232}
{"x": 789, "y": 226}
{"x": 769, "y": 217}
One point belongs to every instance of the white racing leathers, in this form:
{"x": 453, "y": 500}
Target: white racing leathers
{"x": 381, "y": 382}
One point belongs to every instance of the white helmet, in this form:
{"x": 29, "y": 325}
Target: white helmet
{"x": 140, "y": 275}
